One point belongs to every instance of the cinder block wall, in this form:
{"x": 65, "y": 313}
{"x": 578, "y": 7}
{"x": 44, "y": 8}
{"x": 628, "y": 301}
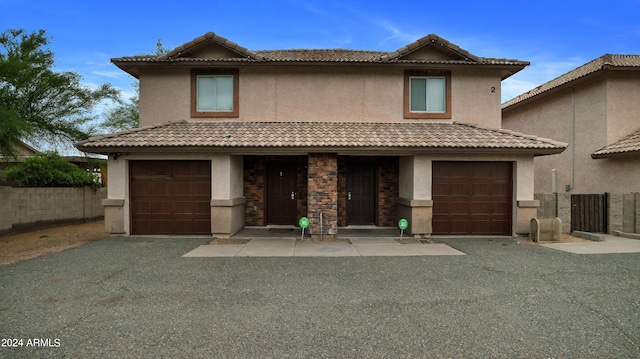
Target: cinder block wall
{"x": 22, "y": 208}
{"x": 623, "y": 215}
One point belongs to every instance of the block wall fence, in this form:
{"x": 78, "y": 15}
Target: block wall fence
{"x": 623, "y": 210}
{"x": 25, "y": 208}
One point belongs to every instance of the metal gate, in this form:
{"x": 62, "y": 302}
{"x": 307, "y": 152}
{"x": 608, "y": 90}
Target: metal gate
{"x": 589, "y": 212}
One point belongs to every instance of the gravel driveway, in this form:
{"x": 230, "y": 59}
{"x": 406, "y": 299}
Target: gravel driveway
{"x": 137, "y": 297}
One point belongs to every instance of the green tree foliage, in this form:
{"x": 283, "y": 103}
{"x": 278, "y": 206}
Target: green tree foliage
{"x": 126, "y": 114}
{"x": 38, "y": 104}
{"x": 49, "y": 170}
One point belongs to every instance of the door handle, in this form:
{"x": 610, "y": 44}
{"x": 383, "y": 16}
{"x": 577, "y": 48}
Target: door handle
{"x": 349, "y": 196}
{"x": 293, "y": 195}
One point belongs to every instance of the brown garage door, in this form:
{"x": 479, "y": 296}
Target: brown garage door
{"x": 472, "y": 198}
{"x": 170, "y": 197}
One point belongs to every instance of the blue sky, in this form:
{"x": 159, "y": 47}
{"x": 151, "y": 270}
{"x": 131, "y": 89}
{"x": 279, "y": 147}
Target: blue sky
{"x": 555, "y": 36}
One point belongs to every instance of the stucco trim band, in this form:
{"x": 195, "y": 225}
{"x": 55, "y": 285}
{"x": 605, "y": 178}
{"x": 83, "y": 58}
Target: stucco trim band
{"x": 228, "y": 202}
{"x": 110, "y": 202}
{"x": 529, "y": 204}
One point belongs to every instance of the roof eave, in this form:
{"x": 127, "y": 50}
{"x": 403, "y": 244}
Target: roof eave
{"x": 375, "y": 150}
{"x": 598, "y": 156}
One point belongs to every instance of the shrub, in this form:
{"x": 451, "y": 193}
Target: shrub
{"x": 49, "y": 170}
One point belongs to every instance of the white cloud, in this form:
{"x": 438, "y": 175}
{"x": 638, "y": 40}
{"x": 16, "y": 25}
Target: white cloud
{"x": 110, "y": 74}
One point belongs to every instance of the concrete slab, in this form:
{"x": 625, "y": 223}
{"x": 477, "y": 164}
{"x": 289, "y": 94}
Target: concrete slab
{"x": 373, "y": 241}
{"x": 289, "y": 247}
{"x": 325, "y": 250}
{"x": 433, "y": 249}
{"x": 207, "y": 250}
{"x": 379, "y": 250}
{"x": 610, "y": 244}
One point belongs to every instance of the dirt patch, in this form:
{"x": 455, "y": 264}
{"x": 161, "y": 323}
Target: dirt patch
{"x": 22, "y": 246}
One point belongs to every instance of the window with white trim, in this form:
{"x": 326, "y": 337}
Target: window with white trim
{"x": 214, "y": 93}
{"x": 427, "y": 94}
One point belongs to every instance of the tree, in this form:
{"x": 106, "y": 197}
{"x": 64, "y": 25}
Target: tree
{"x": 126, "y": 115}
{"x": 38, "y": 104}
{"x": 49, "y": 170}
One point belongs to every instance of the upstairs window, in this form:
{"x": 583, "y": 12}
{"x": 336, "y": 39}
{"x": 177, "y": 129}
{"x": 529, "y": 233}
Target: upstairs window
{"x": 427, "y": 94}
{"x": 214, "y": 93}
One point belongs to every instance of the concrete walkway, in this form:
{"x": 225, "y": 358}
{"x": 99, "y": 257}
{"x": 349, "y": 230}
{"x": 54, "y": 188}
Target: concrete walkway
{"x": 289, "y": 247}
{"x": 610, "y": 244}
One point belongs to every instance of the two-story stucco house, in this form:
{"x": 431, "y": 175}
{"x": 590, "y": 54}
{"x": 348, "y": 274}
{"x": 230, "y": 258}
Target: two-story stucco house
{"x": 231, "y": 138}
{"x": 594, "y": 108}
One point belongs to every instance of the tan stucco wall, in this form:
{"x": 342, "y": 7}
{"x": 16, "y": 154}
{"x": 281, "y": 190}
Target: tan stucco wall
{"x": 305, "y": 94}
{"x": 601, "y": 112}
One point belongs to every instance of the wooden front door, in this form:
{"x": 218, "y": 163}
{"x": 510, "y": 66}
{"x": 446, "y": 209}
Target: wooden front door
{"x": 361, "y": 193}
{"x": 472, "y": 198}
{"x": 281, "y": 193}
{"x": 170, "y": 197}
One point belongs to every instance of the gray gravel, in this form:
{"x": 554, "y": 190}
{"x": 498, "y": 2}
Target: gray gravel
{"x": 137, "y": 297}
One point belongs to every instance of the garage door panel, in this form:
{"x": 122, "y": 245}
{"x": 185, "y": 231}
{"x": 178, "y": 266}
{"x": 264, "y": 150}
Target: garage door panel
{"x": 472, "y": 198}
{"x": 167, "y": 197}
{"x": 458, "y": 189}
{"x": 478, "y": 208}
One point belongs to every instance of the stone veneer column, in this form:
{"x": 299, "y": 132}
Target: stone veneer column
{"x": 323, "y": 194}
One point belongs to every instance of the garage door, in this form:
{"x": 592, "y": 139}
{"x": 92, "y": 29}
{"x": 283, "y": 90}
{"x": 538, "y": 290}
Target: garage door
{"x": 170, "y": 197}
{"x": 472, "y": 198}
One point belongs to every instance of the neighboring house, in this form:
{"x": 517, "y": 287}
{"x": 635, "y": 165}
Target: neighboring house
{"x": 231, "y": 138}
{"x": 595, "y": 109}
{"x": 97, "y": 166}
{"x": 24, "y": 151}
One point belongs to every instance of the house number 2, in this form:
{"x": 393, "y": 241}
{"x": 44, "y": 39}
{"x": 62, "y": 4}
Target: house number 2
{"x": 493, "y": 89}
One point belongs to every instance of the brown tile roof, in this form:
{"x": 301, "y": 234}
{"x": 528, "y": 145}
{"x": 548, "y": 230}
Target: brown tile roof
{"x": 319, "y": 136}
{"x": 627, "y": 146}
{"x": 181, "y": 54}
{"x": 602, "y": 63}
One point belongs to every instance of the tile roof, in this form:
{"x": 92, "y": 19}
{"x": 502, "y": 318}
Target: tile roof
{"x": 629, "y": 145}
{"x": 602, "y": 63}
{"x": 181, "y": 54}
{"x": 319, "y": 136}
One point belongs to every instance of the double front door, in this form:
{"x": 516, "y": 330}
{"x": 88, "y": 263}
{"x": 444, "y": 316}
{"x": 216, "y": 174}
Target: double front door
{"x": 282, "y": 196}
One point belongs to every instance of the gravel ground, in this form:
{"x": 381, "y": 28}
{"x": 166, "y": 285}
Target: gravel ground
{"x": 16, "y": 247}
{"x": 137, "y": 297}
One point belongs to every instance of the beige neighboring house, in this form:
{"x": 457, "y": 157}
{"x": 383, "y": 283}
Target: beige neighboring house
{"x": 24, "y": 151}
{"x": 595, "y": 109}
{"x": 232, "y": 137}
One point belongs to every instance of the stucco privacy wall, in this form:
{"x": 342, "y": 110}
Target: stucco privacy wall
{"x": 22, "y": 208}
{"x": 299, "y": 94}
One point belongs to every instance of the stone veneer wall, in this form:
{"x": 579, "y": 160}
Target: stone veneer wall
{"x": 388, "y": 191}
{"x": 254, "y": 190}
{"x": 323, "y": 193}
{"x": 342, "y": 191}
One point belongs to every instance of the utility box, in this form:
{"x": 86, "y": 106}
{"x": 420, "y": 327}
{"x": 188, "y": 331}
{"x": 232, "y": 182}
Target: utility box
{"x": 546, "y": 229}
